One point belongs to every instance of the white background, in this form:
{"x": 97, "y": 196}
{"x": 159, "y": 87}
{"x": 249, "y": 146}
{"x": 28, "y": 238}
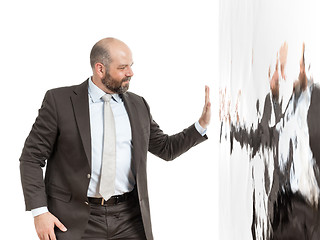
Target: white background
{"x": 175, "y": 49}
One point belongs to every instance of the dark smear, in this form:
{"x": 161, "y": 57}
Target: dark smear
{"x": 254, "y": 217}
{"x": 266, "y": 180}
{"x": 263, "y": 135}
{"x": 295, "y": 219}
{"x": 313, "y": 120}
{"x": 221, "y": 130}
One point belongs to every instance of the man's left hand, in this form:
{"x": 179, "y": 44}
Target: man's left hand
{"x": 206, "y": 113}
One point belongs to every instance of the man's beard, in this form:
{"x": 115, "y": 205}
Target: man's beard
{"x": 115, "y": 86}
{"x": 275, "y": 91}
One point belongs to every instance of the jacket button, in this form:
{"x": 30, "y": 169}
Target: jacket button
{"x": 88, "y": 176}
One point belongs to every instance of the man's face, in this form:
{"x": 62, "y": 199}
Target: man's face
{"x": 274, "y": 82}
{"x": 118, "y": 76}
{"x": 116, "y": 85}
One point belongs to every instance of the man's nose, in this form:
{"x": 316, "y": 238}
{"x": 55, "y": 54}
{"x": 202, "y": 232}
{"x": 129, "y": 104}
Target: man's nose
{"x": 129, "y": 72}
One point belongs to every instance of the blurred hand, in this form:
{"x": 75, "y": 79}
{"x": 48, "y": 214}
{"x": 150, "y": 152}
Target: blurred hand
{"x": 206, "y": 113}
{"x": 45, "y": 223}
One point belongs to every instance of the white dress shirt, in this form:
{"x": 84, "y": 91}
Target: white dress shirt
{"x": 125, "y": 175}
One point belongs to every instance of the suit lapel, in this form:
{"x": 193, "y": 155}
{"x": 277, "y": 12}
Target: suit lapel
{"x": 134, "y": 122}
{"x": 80, "y": 104}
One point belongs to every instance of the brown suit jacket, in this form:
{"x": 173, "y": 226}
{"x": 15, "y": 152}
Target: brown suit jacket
{"x": 61, "y": 137}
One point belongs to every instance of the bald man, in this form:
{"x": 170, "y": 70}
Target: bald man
{"x": 77, "y": 199}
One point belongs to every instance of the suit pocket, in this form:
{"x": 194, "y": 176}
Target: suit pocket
{"x": 58, "y": 193}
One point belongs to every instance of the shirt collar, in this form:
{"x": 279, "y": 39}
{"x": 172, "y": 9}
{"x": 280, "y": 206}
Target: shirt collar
{"x": 96, "y": 93}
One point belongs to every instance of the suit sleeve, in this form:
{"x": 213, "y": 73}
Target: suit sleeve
{"x": 170, "y": 147}
{"x": 38, "y": 147}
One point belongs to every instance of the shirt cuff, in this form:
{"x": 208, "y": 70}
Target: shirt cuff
{"x": 200, "y": 129}
{"x": 37, "y": 211}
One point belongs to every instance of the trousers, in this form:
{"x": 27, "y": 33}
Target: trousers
{"x": 120, "y": 221}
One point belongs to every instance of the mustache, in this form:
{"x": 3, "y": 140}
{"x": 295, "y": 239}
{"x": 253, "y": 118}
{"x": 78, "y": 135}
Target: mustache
{"x": 126, "y": 79}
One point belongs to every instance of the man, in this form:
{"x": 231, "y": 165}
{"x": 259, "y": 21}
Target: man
{"x": 95, "y": 137}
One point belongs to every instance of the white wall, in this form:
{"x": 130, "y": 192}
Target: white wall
{"x": 175, "y": 48}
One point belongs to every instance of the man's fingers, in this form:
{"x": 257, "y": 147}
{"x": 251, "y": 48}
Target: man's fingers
{"x": 45, "y": 237}
{"x": 206, "y": 95}
{"x": 207, "y": 98}
{"x": 44, "y": 224}
{"x": 52, "y": 236}
{"x": 208, "y": 105}
{"x": 60, "y": 225}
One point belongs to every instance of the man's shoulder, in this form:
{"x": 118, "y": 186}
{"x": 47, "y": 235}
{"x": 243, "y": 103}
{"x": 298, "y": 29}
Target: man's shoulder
{"x": 132, "y": 95}
{"x": 138, "y": 100}
{"x": 67, "y": 90}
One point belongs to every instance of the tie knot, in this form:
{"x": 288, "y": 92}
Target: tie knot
{"x": 106, "y": 97}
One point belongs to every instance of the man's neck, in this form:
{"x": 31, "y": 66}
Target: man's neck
{"x": 100, "y": 85}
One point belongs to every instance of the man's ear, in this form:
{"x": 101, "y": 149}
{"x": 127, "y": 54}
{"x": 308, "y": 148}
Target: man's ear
{"x": 100, "y": 69}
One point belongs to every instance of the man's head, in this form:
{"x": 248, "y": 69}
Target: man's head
{"x": 111, "y": 62}
{"x": 277, "y": 76}
{"x": 274, "y": 81}
{"x": 302, "y": 82}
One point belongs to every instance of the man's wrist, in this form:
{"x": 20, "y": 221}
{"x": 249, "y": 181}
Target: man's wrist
{"x": 200, "y": 129}
{"x": 38, "y": 211}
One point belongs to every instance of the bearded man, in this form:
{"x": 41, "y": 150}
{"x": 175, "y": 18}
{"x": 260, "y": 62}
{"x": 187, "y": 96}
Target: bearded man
{"x": 94, "y": 138}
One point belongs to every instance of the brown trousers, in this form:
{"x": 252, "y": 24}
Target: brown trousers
{"x": 121, "y": 221}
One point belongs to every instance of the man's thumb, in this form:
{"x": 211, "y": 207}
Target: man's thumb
{"x": 60, "y": 225}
